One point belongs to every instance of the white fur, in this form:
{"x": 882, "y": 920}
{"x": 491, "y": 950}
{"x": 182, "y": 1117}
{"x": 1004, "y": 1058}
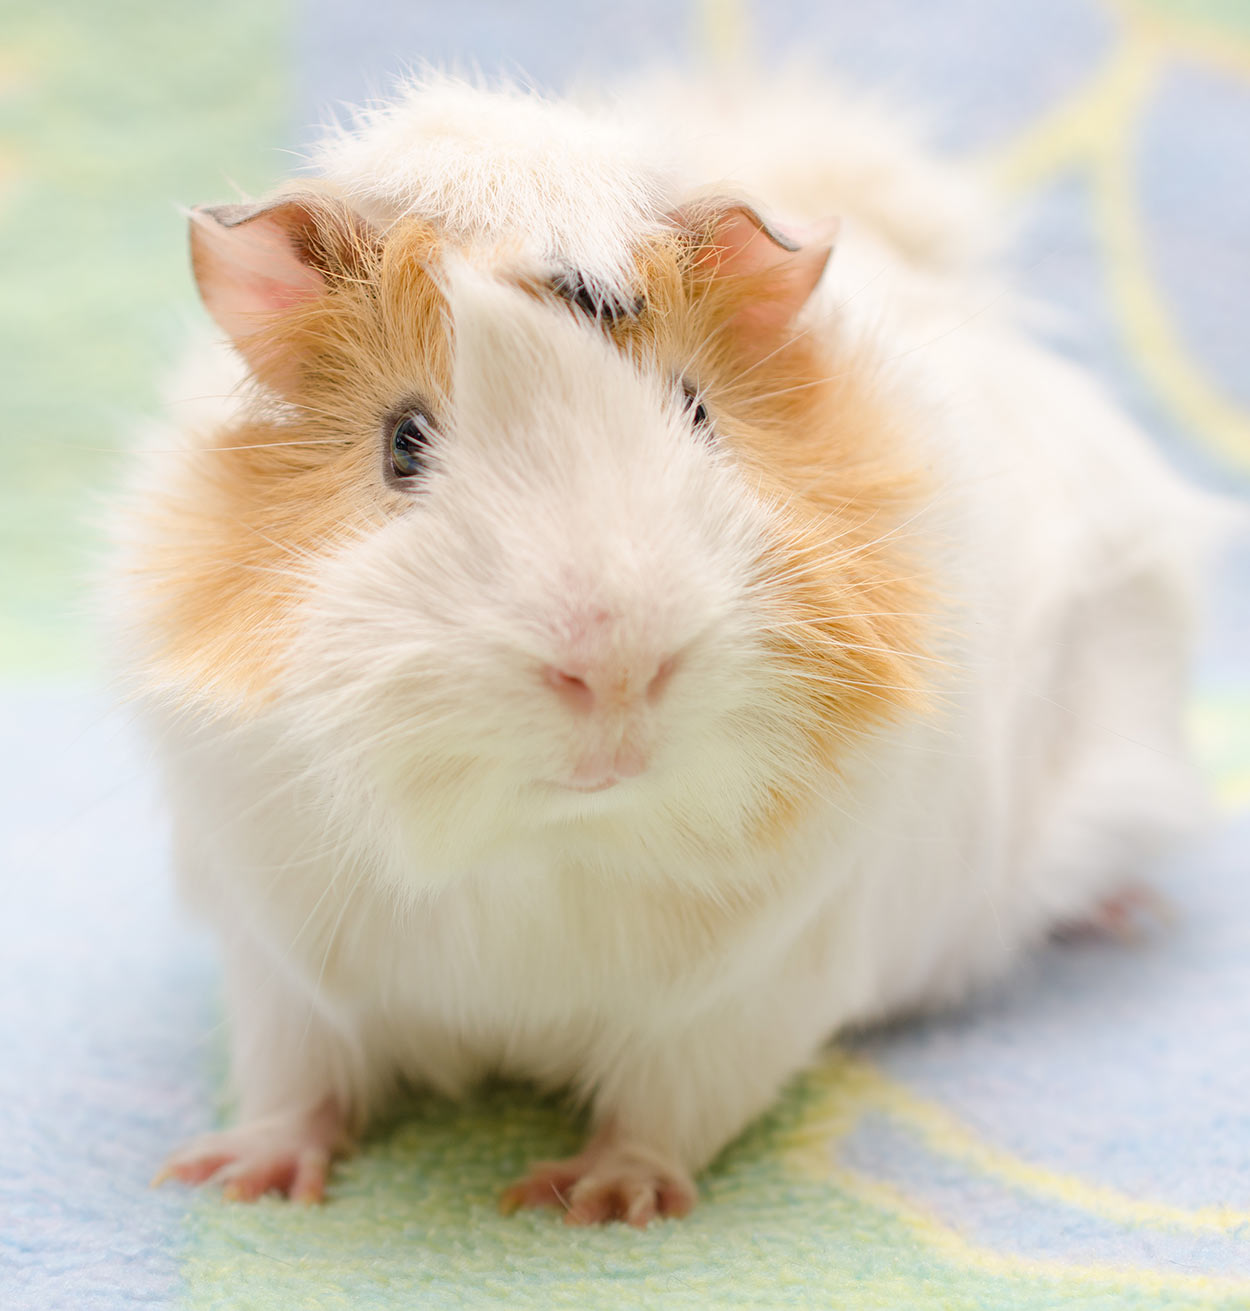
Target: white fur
{"x": 504, "y": 165}
{"x": 399, "y": 888}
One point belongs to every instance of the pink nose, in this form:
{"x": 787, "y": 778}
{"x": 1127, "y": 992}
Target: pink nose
{"x": 585, "y": 687}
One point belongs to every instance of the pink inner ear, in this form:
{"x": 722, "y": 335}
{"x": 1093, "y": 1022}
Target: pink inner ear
{"x": 250, "y": 267}
{"x": 747, "y": 247}
{"x": 786, "y": 269}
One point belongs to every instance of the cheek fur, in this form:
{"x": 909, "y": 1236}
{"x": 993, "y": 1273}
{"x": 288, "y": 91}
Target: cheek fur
{"x": 222, "y": 558}
{"x": 845, "y": 602}
{"x": 850, "y": 638}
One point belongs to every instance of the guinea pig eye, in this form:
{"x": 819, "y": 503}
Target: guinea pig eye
{"x": 410, "y": 437}
{"x": 696, "y": 411}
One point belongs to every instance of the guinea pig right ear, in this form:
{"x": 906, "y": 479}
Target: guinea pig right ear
{"x": 769, "y": 273}
{"x": 252, "y": 262}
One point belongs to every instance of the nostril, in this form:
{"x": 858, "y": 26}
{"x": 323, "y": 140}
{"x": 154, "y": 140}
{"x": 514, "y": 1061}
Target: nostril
{"x": 660, "y": 679}
{"x": 574, "y": 691}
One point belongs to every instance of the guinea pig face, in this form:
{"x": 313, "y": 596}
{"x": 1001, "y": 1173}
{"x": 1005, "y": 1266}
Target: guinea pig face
{"x": 551, "y": 556}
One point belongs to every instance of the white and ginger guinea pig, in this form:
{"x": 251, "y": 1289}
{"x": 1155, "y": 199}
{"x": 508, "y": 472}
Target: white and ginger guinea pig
{"x": 600, "y": 639}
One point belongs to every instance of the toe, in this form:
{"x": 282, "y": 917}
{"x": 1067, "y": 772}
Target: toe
{"x": 641, "y": 1210}
{"x": 309, "y": 1183}
{"x": 245, "y": 1181}
{"x": 676, "y": 1200}
{"x": 193, "y": 1165}
{"x": 591, "y": 1206}
{"x": 547, "y": 1184}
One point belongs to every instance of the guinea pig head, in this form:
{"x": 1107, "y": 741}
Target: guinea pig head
{"x": 526, "y": 551}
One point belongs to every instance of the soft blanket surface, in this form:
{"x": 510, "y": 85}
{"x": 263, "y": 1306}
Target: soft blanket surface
{"x": 1079, "y": 1137}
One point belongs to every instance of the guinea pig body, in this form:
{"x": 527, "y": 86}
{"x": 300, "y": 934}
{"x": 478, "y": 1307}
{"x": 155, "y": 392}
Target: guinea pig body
{"x": 608, "y": 642}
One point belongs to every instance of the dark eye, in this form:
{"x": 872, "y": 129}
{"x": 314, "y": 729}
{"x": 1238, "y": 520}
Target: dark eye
{"x": 696, "y": 411}
{"x": 410, "y": 438}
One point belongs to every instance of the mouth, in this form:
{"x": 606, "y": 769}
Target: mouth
{"x": 602, "y": 785}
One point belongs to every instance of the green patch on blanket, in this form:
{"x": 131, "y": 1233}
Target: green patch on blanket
{"x": 111, "y": 117}
{"x": 1210, "y": 18}
{"x": 413, "y": 1221}
{"x": 1220, "y": 724}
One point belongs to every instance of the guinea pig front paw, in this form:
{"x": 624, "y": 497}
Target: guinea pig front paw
{"x": 1126, "y": 916}
{"x": 610, "y": 1180}
{"x": 288, "y": 1153}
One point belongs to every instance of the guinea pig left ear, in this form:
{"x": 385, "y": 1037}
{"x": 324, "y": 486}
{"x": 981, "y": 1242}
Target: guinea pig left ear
{"x": 775, "y": 270}
{"x": 252, "y": 262}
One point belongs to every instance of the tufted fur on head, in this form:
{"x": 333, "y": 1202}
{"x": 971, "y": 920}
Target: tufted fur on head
{"x": 503, "y": 165}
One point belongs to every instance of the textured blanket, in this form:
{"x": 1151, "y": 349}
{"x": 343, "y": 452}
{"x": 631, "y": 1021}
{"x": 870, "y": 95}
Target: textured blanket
{"x": 1079, "y": 1137}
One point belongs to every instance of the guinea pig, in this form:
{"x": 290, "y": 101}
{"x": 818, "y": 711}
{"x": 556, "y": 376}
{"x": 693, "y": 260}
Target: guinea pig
{"x": 627, "y": 611}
